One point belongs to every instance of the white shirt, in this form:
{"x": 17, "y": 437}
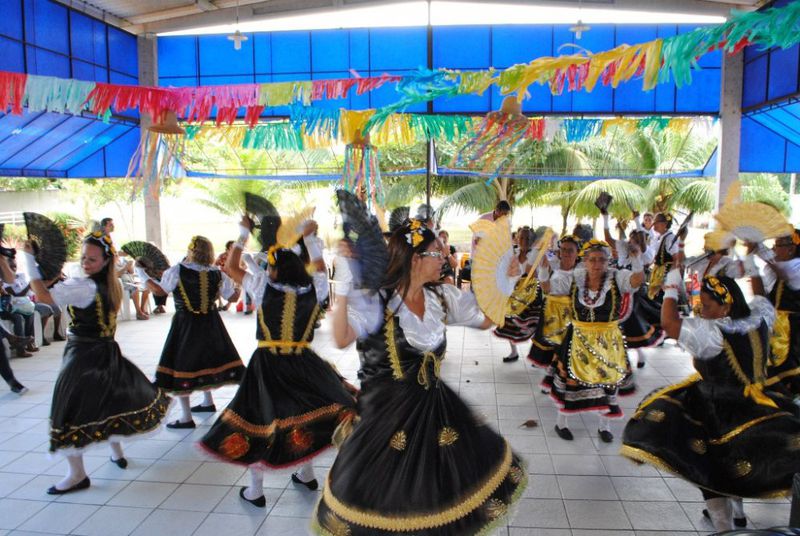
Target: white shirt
{"x": 19, "y": 284}
{"x": 672, "y": 245}
{"x": 426, "y": 333}
{"x": 725, "y": 266}
{"x": 171, "y": 276}
{"x": 702, "y": 337}
{"x": 792, "y": 270}
{"x": 79, "y": 291}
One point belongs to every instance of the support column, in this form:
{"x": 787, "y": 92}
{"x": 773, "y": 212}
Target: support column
{"x": 730, "y": 106}
{"x": 148, "y": 76}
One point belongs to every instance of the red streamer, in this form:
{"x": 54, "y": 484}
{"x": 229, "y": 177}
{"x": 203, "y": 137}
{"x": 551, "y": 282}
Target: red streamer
{"x": 12, "y": 91}
{"x": 535, "y": 129}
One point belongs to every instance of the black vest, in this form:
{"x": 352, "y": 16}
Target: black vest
{"x": 197, "y": 290}
{"x": 96, "y": 320}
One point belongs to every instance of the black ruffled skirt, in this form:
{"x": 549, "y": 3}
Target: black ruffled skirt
{"x": 638, "y": 331}
{"x": 717, "y": 439}
{"x": 198, "y": 355}
{"x": 284, "y": 412}
{"x": 100, "y": 395}
{"x": 418, "y": 462}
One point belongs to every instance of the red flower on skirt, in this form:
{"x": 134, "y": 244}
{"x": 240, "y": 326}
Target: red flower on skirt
{"x": 234, "y": 446}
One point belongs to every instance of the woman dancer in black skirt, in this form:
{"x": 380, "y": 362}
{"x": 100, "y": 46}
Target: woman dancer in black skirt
{"x": 198, "y": 354}
{"x": 99, "y": 395}
{"x": 720, "y": 429}
{"x": 418, "y": 461}
{"x": 290, "y": 400}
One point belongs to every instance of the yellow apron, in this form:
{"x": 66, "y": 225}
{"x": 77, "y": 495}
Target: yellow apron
{"x": 597, "y": 353}
{"x": 657, "y": 275}
{"x": 556, "y": 318}
{"x": 523, "y": 296}
{"x": 779, "y": 342}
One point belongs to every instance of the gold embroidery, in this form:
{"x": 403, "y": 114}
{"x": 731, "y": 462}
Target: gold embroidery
{"x": 287, "y": 319}
{"x": 742, "y": 468}
{"x": 263, "y": 325}
{"x": 749, "y": 424}
{"x": 447, "y": 436}
{"x": 266, "y": 430}
{"x": 759, "y": 368}
{"x": 694, "y": 378}
{"x": 391, "y": 347}
{"x": 295, "y": 346}
{"x": 203, "y": 275}
{"x": 204, "y": 372}
{"x": 398, "y": 441}
{"x": 793, "y": 442}
{"x": 781, "y": 333}
{"x": 309, "y": 327}
{"x": 698, "y": 446}
{"x": 422, "y": 521}
{"x": 107, "y": 326}
{"x": 655, "y": 415}
{"x": 516, "y": 474}
{"x": 335, "y": 526}
{"x": 496, "y": 508}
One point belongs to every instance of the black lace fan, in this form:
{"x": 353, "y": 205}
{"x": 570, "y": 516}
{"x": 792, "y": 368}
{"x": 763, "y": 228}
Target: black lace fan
{"x": 265, "y": 217}
{"x": 148, "y": 256}
{"x": 363, "y": 229}
{"x": 49, "y": 244}
{"x": 584, "y": 232}
{"x": 398, "y": 217}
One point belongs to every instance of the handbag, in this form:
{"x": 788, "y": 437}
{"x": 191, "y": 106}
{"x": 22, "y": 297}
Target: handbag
{"x": 22, "y": 305}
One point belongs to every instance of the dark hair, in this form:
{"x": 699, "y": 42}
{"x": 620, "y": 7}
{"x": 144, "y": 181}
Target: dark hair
{"x": 739, "y": 307}
{"x": 291, "y": 270}
{"x": 401, "y": 253}
{"x": 640, "y": 237}
{"x": 528, "y": 234}
{"x": 105, "y": 221}
{"x": 503, "y": 206}
{"x": 228, "y": 244}
{"x": 795, "y": 240}
{"x": 665, "y": 217}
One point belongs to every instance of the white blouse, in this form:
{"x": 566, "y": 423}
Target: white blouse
{"x": 78, "y": 291}
{"x": 725, "y": 266}
{"x": 425, "y": 334}
{"x": 171, "y": 276}
{"x": 792, "y": 270}
{"x": 672, "y": 245}
{"x": 561, "y": 284}
{"x": 702, "y": 337}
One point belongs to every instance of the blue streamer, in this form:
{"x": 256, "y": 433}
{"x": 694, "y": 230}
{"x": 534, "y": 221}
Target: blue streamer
{"x": 578, "y": 130}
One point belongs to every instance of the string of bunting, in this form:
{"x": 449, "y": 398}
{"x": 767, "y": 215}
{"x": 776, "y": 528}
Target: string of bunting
{"x": 657, "y": 61}
{"x": 296, "y": 134}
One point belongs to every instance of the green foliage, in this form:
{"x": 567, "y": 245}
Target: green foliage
{"x": 697, "y": 196}
{"x": 227, "y": 195}
{"x": 27, "y": 184}
{"x": 73, "y": 230}
{"x": 765, "y": 188}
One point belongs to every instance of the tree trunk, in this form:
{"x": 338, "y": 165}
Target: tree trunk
{"x": 564, "y": 217}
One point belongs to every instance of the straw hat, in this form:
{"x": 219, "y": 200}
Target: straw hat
{"x": 169, "y": 124}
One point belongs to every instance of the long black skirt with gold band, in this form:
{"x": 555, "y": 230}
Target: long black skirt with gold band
{"x": 783, "y": 368}
{"x": 418, "y": 462}
{"x": 284, "y": 413}
{"x": 717, "y": 438}
{"x": 99, "y": 396}
{"x": 198, "y": 355}
{"x": 592, "y": 366}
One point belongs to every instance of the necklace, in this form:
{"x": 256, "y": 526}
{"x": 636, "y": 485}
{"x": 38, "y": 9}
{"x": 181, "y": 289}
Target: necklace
{"x": 587, "y": 299}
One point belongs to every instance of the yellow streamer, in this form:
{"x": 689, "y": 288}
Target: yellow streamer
{"x": 351, "y": 125}
{"x": 626, "y": 125}
{"x": 680, "y": 125}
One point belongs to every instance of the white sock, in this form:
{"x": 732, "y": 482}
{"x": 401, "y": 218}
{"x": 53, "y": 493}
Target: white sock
{"x": 562, "y": 420}
{"x": 306, "y": 472}
{"x": 720, "y": 512}
{"x": 256, "y": 488}
{"x": 639, "y": 355}
{"x": 75, "y": 472}
{"x": 186, "y": 408}
{"x": 208, "y": 400}
{"x": 116, "y": 450}
{"x": 513, "y": 349}
{"x": 738, "y": 508}
{"x": 603, "y": 423}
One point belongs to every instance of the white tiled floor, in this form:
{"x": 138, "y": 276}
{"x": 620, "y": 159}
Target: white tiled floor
{"x": 578, "y": 488}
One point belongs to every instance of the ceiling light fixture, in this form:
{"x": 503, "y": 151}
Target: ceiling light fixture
{"x": 237, "y": 37}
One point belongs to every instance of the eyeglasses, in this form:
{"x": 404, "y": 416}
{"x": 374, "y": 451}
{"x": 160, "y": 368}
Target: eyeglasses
{"x": 434, "y": 254}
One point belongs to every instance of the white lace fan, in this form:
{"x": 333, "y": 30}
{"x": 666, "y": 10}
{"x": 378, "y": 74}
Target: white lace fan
{"x": 750, "y": 222}
{"x": 489, "y": 267}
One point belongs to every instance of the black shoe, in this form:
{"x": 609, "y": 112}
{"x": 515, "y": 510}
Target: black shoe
{"x": 260, "y": 502}
{"x": 200, "y": 408}
{"x": 564, "y": 433}
{"x": 640, "y": 364}
{"x": 179, "y": 424}
{"x": 311, "y": 484}
{"x": 59, "y": 337}
{"x": 83, "y": 484}
{"x": 606, "y": 436}
{"x": 510, "y": 358}
{"x": 737, "y": 521}
{"x": 18, "y": 388}
{"x": 45, "y": 342}
{"x": 122, "y": 463}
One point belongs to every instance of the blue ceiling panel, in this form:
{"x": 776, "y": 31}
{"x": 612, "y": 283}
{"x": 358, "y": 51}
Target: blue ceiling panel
{"x": 65, "y": 125}
{"x": 61, "y": 156}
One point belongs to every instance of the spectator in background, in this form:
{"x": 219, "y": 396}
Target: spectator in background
{"x": 20, "y": 287}
{"x": 20, "y": 314}
{"x": 503, "y": 208}
{"x": 449, "y": 266}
